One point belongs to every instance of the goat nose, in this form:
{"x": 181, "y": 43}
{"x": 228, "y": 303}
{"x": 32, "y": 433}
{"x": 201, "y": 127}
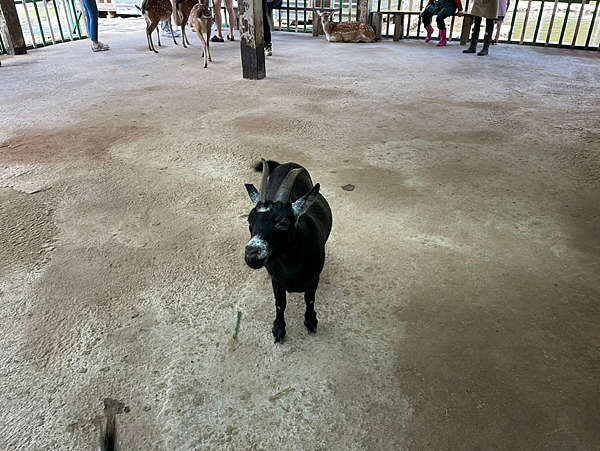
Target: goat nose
{"x": 252, "y": 252}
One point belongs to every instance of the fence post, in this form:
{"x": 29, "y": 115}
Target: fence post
{"x": 362, "y": 10}
{"x": 10, "y": 29}
{"x": 252, "y": 39}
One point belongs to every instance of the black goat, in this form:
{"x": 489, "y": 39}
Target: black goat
{"x": 289, "y": 226}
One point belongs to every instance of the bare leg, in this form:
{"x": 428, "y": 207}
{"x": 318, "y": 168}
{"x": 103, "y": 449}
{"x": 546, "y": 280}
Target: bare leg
{"x": 498, "y": 25}
{"x": 229, "y": 6}
{"x": 218, "y": 18}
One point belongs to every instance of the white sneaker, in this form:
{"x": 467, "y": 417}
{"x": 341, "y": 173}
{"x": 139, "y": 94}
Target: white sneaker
{"x": 167, "y": 34}
{"x": 99, "y": 47}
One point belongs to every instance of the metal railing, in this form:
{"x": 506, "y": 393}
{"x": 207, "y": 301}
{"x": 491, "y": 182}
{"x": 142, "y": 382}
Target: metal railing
{"x": 48, "y": 22}
{"x": 296, "y": 18}
{"x": 570, "y": 24}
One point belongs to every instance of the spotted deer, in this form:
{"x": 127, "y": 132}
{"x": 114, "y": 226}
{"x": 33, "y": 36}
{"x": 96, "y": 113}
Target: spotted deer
{"x": 197, "y": 16}
{"x": 184, "y": 8}
{"x": 154, "y": 11}
{"x": 345, "y": 31}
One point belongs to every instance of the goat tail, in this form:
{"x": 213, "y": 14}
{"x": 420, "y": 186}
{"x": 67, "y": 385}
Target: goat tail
{"x": 272, "y": 165}
{"x": 108, "y": 436}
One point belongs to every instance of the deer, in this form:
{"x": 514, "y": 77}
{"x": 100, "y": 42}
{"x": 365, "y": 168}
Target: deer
{"x": 154, "y": 11}
{"x": 345, "y": 31}
{"x": 184, "y": 8}
{"x": 199, "y": 17}
{"x": 289, "y": 226}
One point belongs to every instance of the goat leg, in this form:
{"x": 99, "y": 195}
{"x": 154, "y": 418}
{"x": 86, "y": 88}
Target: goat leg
{"x": 280, "y": 303}
{"x": 310, "y": 316}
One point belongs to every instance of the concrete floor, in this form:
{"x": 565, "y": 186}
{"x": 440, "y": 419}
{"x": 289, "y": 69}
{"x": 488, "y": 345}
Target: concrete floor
{"x": 459, "y": 305}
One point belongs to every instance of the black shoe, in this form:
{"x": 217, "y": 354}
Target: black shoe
{"x": 486, "y": 45}
{"x": 230, "y": 38}
{"x": 215, "y": 38}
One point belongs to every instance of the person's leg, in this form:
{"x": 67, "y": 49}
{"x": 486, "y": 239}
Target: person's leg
{"x": 174, "y": 16}
{"x": 267, "y": 30}
{"x": 229, "y": 6}
{"x": 426, "y": 17}
{"x": 442, "y": 27}
{"x": 440, "y": 21}
{"x": 91, "y": 13}
{"x": 218, "y": 18}
{"x": 498, "y": 26}
{"x": 475, "y": 36}
{"x": 489, "y": 29}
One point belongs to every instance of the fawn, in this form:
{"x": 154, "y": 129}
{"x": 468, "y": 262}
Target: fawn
{"x": 200, "y": 18}
{"x": 345, "y": 31}
{"x": 154, "y": 11}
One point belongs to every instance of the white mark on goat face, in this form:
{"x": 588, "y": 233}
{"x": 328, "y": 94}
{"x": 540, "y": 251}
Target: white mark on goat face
{"x": 259, "y": 243}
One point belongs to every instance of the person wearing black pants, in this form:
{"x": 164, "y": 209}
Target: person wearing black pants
{"x": 443, "y": 9}
{"x": 267, "y": 30}
{"x": 481, "y": 9}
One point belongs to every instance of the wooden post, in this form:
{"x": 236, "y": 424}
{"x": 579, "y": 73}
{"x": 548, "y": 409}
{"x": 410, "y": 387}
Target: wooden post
{"x": 362, "y": 10}
{"x": 376, "y": 21}
{"x": 252, "y": 39}
{"x": 10, "y": 29}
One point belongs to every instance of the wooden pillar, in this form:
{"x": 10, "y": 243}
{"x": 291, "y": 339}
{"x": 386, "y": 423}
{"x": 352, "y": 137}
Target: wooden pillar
{"x": 317, "y": 25}
{"x": 10, "y": 28}
{"x": 362, "y": 10}
{"x": 376, "y": 21}
{"x": 252, "y": 39}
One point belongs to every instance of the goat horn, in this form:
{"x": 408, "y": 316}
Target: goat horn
{"x": 262, "y": 196}
{"x": 285, "y": 189}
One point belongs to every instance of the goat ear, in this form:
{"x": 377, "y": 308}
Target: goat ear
{"x": 253, "y": 193}
{"x": 301, "y": 205}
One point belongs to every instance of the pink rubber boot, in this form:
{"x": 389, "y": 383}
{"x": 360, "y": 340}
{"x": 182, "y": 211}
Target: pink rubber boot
{"x": 429, "y": 29}
{"x": 442, "y": 38}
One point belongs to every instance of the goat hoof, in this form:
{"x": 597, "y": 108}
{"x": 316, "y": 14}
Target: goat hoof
{"x": 311, "y": 325}
{"x": 278, "y": 332}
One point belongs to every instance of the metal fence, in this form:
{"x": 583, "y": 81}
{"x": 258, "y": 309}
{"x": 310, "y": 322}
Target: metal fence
{"x": 48, "y": 22}
{"x": 572, "y": 24}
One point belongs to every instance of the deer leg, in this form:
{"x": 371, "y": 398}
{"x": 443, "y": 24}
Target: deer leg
{"x": 183, "y": 35}
{"x": 158, "y": 33}
{"x": 183, "y": 27}
{"x": 310, "y": 316}
{"x": 280, "y": 303}
{"x": 183, "y": 19}
{"x": 149, "y": 29}
{"x": 204, "y": 50}
{"x": 208, "y": 30}
{"x": 171, "y": 28}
